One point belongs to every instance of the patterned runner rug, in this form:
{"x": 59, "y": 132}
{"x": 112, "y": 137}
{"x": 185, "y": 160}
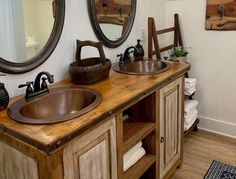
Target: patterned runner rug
{"x": 220, "y": 170}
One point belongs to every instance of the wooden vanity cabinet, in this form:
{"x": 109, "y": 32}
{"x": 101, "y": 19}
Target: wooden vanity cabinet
{"x": 93, "y": 155}
{"x": 171, "y": 127}
{"x": 93, "y": 146}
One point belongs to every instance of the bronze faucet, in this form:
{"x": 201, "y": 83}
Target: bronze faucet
{"x": 124, "y": 59}
{"x": 37, "y": 88}
{"x": 138, "y": 53}
{"x": 43, "y": 86}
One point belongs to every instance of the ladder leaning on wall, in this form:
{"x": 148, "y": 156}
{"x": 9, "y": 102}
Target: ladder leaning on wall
{"x": 154, "y": 49}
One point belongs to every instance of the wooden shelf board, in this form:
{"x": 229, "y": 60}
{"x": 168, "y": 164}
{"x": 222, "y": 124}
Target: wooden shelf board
{"x": 138, "y": 169}
{"x": 133, "y": 132}
{"x": 192, "y": 127}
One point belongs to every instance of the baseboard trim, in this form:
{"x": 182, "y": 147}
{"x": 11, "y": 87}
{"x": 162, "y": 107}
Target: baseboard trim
{"x": 217, "y": 126}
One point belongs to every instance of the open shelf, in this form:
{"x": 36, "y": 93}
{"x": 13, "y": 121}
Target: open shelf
{"x": 138, "y": 123}
{"x": 138, "y": 169}
{"x": 133, "y": 132}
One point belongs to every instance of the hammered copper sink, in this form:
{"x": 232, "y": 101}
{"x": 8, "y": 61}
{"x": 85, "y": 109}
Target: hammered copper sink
{"x": 60, "y": 104}
{"x": 144, "y": 67}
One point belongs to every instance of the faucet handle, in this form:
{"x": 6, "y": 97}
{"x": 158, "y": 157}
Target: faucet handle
{"x": 28, "y": 84}
{"x": 29, "y": 89}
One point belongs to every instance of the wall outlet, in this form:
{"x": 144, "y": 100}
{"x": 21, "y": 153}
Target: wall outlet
{"x": 141, "y": 34}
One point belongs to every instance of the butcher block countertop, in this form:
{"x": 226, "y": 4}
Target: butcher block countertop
{"x": 119, "y": 91}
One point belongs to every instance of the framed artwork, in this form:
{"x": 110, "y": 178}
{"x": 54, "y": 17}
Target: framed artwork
{"x": 220, "y": 15}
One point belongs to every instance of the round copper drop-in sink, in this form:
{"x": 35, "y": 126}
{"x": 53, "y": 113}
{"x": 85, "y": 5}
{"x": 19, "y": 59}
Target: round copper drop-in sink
{"x": 60, "y": 104}
{"x": 143, "y": 67}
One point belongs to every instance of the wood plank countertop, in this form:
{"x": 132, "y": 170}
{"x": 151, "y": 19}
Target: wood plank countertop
{"x": 119, "y": 91}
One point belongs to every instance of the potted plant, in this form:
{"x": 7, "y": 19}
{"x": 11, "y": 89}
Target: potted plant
{"x": 179, "y": 54}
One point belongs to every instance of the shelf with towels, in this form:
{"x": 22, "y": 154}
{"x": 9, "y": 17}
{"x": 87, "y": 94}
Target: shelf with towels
{"x": 136, "y": 131}
{"x": 190, "y": 118}
{"x": 137, "y": 170}
{"x": 137, "y": 145}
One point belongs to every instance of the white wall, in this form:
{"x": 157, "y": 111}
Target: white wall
{"x": 213, "y": 60}
{"x": 77, "y": 26}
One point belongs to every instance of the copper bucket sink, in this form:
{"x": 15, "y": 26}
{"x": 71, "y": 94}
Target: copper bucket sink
{"x": 61, "y": 104}
{"x": 144, "y": 67}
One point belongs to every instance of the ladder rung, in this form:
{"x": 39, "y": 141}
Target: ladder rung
{"x": 165, "y": 30}
{"x": 167, "y": 48}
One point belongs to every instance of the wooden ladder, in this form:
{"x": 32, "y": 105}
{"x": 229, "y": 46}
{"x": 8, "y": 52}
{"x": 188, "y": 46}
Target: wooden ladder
{"x": 152, "y": 38}
{"x": 153, "y": 33}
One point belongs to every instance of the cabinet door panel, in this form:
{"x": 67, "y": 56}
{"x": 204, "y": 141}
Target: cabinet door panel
{"x": 93, "y": 160}
{"x": 16, "y": 165}
{"x": 171, "y": 127}
{"x": 170, "y": 124}
{"x": 93, "y": 155}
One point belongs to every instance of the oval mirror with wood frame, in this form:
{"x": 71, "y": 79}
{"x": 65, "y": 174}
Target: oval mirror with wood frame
{"x": 30, "y": 31}
{"x": 112, "y": 20}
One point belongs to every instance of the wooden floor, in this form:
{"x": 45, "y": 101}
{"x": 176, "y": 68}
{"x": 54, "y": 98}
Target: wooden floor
{"x": 200, "y": 149}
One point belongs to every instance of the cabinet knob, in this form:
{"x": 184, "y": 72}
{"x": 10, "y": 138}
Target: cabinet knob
{"x": 162, "y": 139}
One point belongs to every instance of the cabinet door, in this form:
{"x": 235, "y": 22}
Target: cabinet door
{"x": 93, "y": 155}
{"x": 16, "y": 165}
{"x": 170, "y": 125}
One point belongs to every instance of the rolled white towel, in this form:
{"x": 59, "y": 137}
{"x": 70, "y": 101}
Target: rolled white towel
{"x": 190, "y": 80}
{"x": 191, "y": 121}
{"x": 189, "y": 118}
{"x": 189, "y": 104}
{"x": 138, "y": 154}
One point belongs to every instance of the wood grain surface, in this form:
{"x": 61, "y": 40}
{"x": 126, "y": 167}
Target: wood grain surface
{"x": 215, "y": 20}
{"x": 118, "y": 91}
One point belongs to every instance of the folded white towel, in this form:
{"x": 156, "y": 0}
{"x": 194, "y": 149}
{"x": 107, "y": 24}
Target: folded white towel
{"x": 187, "y": 86}
{"x": 191, "y": 121}
{"x": 138, "y": 154}
{"x": 190, "y": 88}
{"x": 130, "y": 152}
{"x": 187, "y": 114}
{"x": 189, "y": 91}
{"x": 188, "y": 120}
{"x": 125, "y": 117}
{"x": 189, "y": 104}
{"x": 190, "y": 80}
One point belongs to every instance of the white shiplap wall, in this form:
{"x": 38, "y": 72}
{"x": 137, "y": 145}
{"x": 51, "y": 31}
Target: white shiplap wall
{"x": 213, "y": 60}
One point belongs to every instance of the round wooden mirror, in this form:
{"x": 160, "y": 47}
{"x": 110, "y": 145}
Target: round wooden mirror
{"x": 112, "y": 20}
{"x": 30, "y": 31}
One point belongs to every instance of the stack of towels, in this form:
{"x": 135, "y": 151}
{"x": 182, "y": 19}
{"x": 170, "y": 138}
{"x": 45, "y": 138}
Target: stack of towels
{"x": 133, "y": 155}
{"x": 190, "y": 113}
{"x": 190, "y": 86}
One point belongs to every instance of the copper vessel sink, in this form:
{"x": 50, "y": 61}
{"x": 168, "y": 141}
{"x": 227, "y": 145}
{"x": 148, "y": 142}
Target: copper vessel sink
{"x": 144, "y": 67}
{"x": 60, "y": 104}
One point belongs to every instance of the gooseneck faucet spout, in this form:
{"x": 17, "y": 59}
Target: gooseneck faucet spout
{"x": 127, "y": 52}
{"x": 37, "y": 86}
{"x": 124, "y": 59}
